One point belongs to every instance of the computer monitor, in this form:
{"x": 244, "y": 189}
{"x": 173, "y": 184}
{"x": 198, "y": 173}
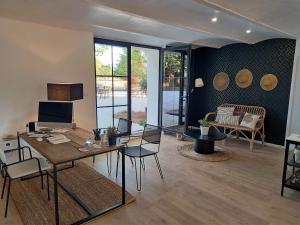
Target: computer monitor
{"x": 55, "y": 114}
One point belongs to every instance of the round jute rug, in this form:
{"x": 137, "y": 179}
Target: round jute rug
{"x": 220, "y": 154}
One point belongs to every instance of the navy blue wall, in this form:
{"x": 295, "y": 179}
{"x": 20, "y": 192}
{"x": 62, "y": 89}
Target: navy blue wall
{"x": 271, "y": 56}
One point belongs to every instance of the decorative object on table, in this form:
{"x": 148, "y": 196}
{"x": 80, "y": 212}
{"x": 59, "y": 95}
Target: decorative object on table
{"x": 104, "y": 139}
{"x": 297, "y": 155}
{"x": 204, "y": 126}
{"x": 112, "y": 134}
{"x": 97, "y": 133}
{"x": 241, "y": 110}
{"x": 221, "y": 81}
{"x": 224, "y": 111}
{"x": 65, "y": 91}
{"x": 250, "y": 120}
{"x": 220, "y": 154}
{"x": 244, "y": 78}
{"x": 268, "y": 82}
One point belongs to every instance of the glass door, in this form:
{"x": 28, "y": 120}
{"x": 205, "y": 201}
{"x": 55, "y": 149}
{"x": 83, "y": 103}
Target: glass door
{"x": 111, "y": 84}
{"x": 174, "y": 90}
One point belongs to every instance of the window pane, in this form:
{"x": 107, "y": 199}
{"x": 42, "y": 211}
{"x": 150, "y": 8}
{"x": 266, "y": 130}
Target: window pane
{"x": 103, "y": 58}
{"x": 104, "y": 116}
{"x": 104, "y": 91}
{"x": 120, "y": 112}
{"x": 120, "y": 61}
{"x": 120, "y": 90}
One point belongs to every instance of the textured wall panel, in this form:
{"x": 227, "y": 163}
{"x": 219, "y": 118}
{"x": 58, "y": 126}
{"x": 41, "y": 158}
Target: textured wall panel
{"x": 271, "y": 56}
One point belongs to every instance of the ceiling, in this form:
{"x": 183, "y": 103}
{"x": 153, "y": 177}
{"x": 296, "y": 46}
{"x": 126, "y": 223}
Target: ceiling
{"x": 161, "y": 22}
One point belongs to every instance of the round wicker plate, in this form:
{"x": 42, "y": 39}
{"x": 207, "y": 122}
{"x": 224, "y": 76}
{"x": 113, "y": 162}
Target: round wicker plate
{"x": 244, "y": 78}
{"x": 221, "y": 81}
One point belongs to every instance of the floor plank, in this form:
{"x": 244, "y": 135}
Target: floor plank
{"x": 242, "y": 190}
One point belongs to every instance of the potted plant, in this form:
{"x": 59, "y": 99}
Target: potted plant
{"x": 112, "y": 135}
{"x": 204, "y": 126}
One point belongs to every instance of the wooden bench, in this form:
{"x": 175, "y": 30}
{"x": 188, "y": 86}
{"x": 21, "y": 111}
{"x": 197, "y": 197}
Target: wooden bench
{"x": 241, "y": 110}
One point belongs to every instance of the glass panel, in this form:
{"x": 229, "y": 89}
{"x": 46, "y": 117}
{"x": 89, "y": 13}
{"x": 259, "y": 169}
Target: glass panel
{"x": 120, "y": 90}
{"x": 103, "y": 59}
{"x": 171, "y": 89}
{"x": 104, "y": 116}
{"x": 144, "y": 87}
{"x": 120, "y": 61}
{"x": 120, "y": 112}
{"x": 104, "y": 91}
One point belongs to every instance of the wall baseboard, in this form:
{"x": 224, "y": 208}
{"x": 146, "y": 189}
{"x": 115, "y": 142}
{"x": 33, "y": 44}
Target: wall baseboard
{"x": 259, "y": 142}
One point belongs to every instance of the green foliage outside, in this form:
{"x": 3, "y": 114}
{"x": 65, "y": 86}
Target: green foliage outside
{"x": 172, "y": 63}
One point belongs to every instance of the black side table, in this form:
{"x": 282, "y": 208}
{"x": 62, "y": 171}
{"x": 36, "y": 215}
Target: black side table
{"x": 288, "y": 181}
{"x": 205, "y": 144}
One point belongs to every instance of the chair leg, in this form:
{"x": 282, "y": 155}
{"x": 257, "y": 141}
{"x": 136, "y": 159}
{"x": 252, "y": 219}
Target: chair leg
{"x": 252, "y": 141}
{"x": 4, "y": 184}
{"x": 48, "y": 189}
{"x": 7, "y": 198}
{"x": 143, "y": 164}
{"x": 94, "y": 158}
{"x": 108, "y": 162}
{"x": 158, "y": 166}
{"x": 131, "y": 160}
{"x": 117, "y": 169}
{"x": 42, "y": 180}
{"x": 138, "y": 184}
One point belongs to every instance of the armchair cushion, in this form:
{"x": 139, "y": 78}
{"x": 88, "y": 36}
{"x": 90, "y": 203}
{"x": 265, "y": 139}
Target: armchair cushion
{"x": 250, "y": 120}
{"x": 224, "y": 111}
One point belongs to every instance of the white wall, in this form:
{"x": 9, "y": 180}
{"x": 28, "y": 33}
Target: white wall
{"x": 152, "y": 85}
{"x": 31, "y": 55}
{"x": 293, "y": 122}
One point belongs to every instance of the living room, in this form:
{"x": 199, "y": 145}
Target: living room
{"x": 158, "y": 112}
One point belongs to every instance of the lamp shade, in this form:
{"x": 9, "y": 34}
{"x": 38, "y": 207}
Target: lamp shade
{"x": 199, "y": 83}
{"x": 65, "y": 91}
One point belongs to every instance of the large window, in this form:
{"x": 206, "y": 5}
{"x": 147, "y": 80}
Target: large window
{"x": 140, "y": 102}
{"x": 111, "y": 84}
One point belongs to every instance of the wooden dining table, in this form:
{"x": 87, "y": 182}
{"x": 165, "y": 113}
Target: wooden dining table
{"x": 59, "y": 154}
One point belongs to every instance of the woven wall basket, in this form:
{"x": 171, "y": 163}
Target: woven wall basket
{"x": 244, "y": 78}
{"x": 221, "y": 81}
{"x": 268, "y": 82}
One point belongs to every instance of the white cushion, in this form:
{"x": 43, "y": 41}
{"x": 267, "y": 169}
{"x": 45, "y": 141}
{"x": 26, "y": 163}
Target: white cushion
{"x": 224, "y": 111}
{"x": 230, "y": 120}
{"x": 250, "y": 120}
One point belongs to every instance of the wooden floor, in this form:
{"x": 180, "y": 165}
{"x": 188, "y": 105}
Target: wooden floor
{"x": 242, "y": 190}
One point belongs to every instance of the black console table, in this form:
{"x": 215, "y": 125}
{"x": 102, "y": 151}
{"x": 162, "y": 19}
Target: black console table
{"x": 289, "y": 163}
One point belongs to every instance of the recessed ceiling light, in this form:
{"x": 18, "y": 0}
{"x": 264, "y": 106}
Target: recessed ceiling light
{"x": 248, "y": 31}
{"x": 214, "y": 19}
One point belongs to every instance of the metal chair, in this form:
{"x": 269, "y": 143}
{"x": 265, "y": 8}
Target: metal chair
{"x": 13, "y": 156}
{"x": 124, "y": 131}
{"x": 150, "y": 141}
{"x": 16, "y": 170}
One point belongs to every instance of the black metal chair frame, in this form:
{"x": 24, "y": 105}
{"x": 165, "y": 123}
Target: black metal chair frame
{"x": 120, "y": 134}
{"x": 22, "y": 155}
{"x": 144, "y": 142}
{"x": 7, "y": 176}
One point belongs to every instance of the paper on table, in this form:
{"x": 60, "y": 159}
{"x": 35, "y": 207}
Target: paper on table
{"x": 294, "y": 137}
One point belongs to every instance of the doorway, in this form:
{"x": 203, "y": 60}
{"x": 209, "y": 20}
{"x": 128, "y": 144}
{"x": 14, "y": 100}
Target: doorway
{"x": 175, "y": 88}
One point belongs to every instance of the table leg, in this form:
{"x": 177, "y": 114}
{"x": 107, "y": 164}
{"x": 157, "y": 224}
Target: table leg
{"x": 204, "y": 147}
{"x": 19, "y": 146}
{"x": 55, "y": 195}
{"x": 123, "y": 177}
{"x": 287, "y": 147}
